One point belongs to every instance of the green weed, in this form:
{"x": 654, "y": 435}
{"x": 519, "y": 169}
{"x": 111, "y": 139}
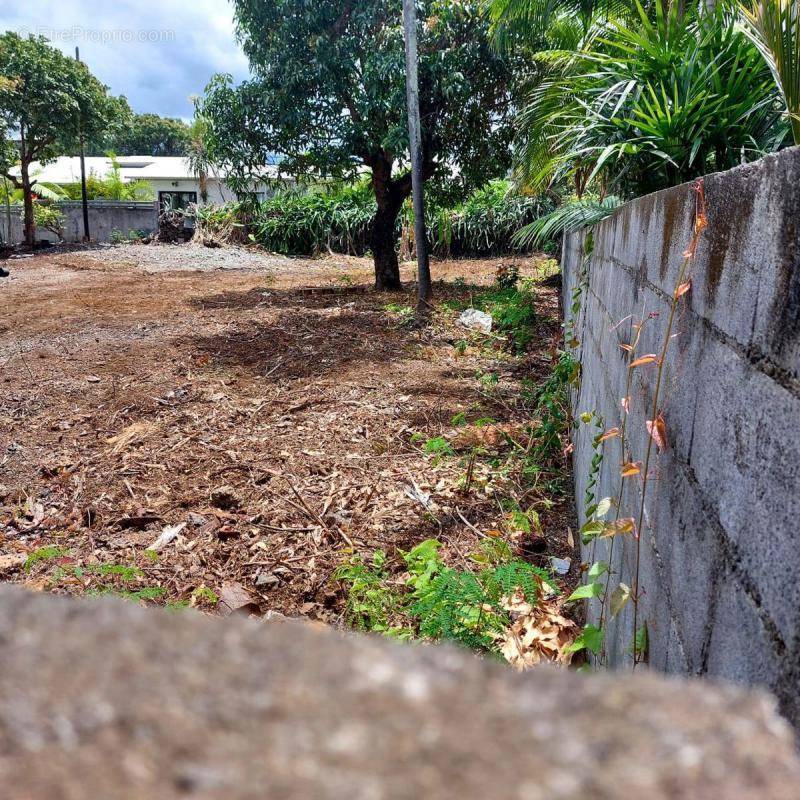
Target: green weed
{"x": 43, "y": 554}
{"x": 434, "y": 601}
{"x": 438, "y": 446}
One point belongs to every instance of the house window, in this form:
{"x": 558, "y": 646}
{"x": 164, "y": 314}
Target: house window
{"x": 176, "y": 200}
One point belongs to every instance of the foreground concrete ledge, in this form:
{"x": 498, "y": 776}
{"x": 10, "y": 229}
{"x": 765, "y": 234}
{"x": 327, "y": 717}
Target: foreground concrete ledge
{"x": 103, "y": 699}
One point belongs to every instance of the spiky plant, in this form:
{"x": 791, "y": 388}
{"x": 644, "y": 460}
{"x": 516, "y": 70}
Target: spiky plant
{"x": 647, "y": 103}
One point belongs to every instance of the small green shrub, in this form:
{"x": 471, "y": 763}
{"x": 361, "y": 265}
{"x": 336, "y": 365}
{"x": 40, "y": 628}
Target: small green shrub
{"x": 49, "y": 218}
{"x": 369, "y": 602}
{"x": 553, "y": 406}
{"x": 438, "y": 446}
{"x": 434, "y": 601}
{"x": 206, "y": 595}
{"x": 507, "y": 276}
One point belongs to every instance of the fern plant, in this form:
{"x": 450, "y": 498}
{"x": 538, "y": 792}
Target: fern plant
{"x": 437, "y": 602}
{"x": 453, "y": 607}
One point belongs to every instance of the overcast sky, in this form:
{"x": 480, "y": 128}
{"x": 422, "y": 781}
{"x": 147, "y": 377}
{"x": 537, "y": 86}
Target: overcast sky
{"x": 155, "y": 52}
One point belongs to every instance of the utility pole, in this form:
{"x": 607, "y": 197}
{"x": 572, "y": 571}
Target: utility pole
{"x": 415, "y": 146}
{"x": 84, "y": 195}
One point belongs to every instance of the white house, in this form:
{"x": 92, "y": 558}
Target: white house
{"x": 171, "y": 178}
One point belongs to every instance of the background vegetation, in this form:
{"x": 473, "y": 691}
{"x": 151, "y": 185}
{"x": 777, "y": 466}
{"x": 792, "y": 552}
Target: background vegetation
{"x": 338, "y": 218}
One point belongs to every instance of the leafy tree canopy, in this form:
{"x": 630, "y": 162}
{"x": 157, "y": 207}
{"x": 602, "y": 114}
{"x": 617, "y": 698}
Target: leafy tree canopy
{"x": 146, "y": 135}
{"x": 47, "y": 101}
{"x": 329, "y": 94}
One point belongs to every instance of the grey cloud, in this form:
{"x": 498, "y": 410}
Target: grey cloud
{"x": 156, "y": 52}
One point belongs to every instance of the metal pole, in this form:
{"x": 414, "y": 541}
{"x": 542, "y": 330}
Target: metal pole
{"x": 84, "y": 195}
{"x": 415, "y": 146}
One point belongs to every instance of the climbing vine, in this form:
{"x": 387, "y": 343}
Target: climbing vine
{"x": 605, "y": 518}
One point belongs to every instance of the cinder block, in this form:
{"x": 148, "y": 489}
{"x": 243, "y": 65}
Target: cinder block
{"x": 722, "y": 545}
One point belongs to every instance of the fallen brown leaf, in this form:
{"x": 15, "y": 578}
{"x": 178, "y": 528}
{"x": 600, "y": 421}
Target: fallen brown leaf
{"x": 233, "y": 598}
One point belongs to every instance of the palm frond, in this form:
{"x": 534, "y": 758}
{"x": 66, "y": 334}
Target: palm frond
{"x": 774, "y": 27}
{"x": 570, "y": 216}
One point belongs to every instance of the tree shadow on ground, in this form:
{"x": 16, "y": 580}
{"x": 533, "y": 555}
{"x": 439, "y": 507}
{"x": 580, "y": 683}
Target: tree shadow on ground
{"x": 312, "y": 297}
{"x": 317, "y": 330}
{"x": 310, "y": 336}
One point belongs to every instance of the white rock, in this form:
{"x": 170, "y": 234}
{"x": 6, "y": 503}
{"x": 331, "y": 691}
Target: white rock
{"x": 560, "y": 565}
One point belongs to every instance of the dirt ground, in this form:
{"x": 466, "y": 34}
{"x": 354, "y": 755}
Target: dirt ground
{"x": 252, "y": 420}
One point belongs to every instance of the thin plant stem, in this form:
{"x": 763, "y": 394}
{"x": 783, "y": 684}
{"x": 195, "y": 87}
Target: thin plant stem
{"x": 622, "y": 443}
{"x": 699, "y": 225}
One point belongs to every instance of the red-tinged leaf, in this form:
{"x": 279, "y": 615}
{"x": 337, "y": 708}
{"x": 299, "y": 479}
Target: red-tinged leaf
{"x": 631, "y": 468}
{"x": 658, "y": 431}
{"x": 627, "y": 348}
{"x": 610, "y": 434}
{"x": 619, "y": 527}
{"x": 650, "y": 358}
{"x": 683, "y": 288}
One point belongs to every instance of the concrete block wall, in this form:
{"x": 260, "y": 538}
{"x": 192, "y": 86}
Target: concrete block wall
{"x": 720, "y": 547}
{"x": 105, "y": 216}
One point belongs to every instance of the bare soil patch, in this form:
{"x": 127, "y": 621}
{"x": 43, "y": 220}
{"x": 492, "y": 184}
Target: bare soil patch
{"x": 260, "y": 421}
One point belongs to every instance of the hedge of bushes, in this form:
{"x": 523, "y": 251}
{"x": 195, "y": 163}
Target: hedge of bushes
{"x": 338, "y": 219}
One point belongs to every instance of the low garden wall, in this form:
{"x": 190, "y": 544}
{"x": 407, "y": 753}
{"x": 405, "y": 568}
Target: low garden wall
{"x": 718, "y": 547}
{"x": 105, "y": 217}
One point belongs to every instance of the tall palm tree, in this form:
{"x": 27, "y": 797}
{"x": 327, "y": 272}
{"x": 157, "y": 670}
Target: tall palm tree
{"x": 197, "y": 155}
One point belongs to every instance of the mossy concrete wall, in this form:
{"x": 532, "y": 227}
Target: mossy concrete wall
{"x": 720, "y": 547}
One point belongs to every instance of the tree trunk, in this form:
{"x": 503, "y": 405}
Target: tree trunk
{"x": 384, "y": 254}
{"x": 389, "y": 196}
{"x": 30, "y": 223}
